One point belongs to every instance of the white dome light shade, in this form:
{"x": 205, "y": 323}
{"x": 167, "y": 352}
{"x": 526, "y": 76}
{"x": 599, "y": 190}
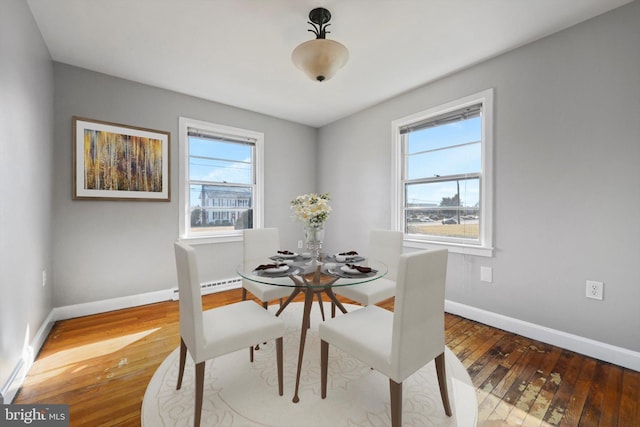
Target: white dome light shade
{"x": 320, "y": 59}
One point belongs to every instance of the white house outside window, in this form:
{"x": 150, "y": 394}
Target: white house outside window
{"x": 442, "y": 189}
{"x": 220, "y": 180}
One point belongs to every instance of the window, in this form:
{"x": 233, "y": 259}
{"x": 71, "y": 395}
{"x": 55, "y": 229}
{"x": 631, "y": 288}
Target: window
{"x": 442, "y": 169}
{"x": 220, "y": 180}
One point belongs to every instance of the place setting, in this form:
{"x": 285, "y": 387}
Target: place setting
{"x": 342, "y": 257}
{"x": 345, "y": 265}
{"x": 351, "y": 271}
{"x": 278, "y": 269}
{"x": 289, "y": 256}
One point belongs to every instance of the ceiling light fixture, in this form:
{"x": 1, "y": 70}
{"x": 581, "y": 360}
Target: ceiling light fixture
{"x": 320, "y": 58}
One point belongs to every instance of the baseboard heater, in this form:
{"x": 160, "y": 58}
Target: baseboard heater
{"x": 216, "y": 286}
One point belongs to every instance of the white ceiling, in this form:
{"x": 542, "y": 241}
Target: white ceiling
{"x": 238, "y": 52}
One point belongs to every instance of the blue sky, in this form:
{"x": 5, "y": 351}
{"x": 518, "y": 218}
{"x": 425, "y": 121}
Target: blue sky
{"x": 230, "y": 162}
{"x": 444, "y": 150}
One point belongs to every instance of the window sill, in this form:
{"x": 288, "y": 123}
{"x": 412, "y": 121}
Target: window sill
{"x": 205, "y": 240}
{"x": 453, "y": 247}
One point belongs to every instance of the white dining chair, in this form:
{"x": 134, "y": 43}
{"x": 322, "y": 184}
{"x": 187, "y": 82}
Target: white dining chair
{"x": 385, "y": 246}
{"x": 218, "y": 331}
{"x": 260, "y": 244}
{"x": 397, "y": 343}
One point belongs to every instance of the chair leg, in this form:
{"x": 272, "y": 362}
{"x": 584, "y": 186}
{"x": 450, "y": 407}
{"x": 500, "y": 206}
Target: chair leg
{"x": 321, "y": 304}
{"x": 396, "y": 403}
{"x": 333, "y": 309}
{"x": 442, "y": 382}
{"x": 183, "y": 359}
{"x": 251, "y": 354}
{"x": 199, "y": 391}
{"x": 280, "y": 365}
{"x": 244, "y": 294}
{"x": 265, "y": 305}
{"x": 324, "y": 362}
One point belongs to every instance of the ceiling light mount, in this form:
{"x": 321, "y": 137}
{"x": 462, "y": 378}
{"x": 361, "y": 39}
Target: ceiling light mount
{"x": 320, "y": 58}
{"x": 319, "y": 19}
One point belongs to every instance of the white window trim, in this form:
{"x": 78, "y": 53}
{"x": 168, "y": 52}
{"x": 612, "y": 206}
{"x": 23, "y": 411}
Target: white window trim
{"x": 183, "y": 157}
{"x": 485, "y": 245}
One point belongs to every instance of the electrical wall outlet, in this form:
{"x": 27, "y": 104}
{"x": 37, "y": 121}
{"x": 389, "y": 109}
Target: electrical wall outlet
{"x": 44, "y": 278}
{"x": 299, "y": 244}
{"x": 595, "y": 289}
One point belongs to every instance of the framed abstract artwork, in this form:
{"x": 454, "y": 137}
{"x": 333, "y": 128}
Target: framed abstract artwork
{"x": 119, "y": 162}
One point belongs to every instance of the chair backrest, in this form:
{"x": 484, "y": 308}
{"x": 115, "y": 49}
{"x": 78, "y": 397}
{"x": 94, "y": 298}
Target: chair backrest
{"x": 259, "y": 245}
{"x": 386, "y": 246}
{"x": 191, "y": 327}
{"x": 418, "y": 322}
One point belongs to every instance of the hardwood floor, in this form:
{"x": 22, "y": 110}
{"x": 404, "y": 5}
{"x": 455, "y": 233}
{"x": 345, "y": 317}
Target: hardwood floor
{"x": 101, "y": 366}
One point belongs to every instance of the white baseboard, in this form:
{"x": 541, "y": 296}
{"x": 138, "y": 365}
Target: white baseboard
{"x": 95, "y": 307}
{"x": 13, "y": 384}
{"x": 596, "y": 349}
{"x": 102, "y": 306}
{"x": 29, "y": 353}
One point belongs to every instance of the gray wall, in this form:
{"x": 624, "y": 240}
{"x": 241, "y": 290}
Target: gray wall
{"x": 109, "y": 249}
{"x": 26, "y": 136}
{"x": 567, "y": 198}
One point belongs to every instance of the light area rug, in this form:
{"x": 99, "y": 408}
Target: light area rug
{"x": 240, "y": 393}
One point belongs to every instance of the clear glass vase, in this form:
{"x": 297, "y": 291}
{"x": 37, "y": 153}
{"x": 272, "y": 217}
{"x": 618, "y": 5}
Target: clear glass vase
{"x": 314, "y": 236}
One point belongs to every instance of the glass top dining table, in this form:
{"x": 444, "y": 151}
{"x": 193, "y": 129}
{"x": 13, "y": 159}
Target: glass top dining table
{"x": 313, "y": 279}
{"x": 346, "y": 272}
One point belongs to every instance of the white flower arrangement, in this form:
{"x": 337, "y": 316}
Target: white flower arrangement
{"x": 312, "y": 209}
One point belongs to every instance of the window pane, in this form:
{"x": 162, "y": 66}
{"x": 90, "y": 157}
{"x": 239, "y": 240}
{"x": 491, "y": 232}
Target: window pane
{"x": 217, "y": 161}
{"x": 219, "y": 207}
{"x": 448, "y": 208}
{"x": 450, "y": 149}
{"x": 453, "y": 161}
{"x": 447, "y": 135}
